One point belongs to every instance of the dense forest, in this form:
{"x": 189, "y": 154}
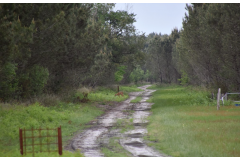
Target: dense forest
{"x": 205, "y": 52}
{"x": 52, "y": 48}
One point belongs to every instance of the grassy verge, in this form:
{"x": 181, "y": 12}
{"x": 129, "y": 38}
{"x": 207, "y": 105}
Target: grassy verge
{"x": 185, "y": 122}
{"x": 103, "y": 94}
{"x": 136, "y": 100}
{"x": 71, "y": 116}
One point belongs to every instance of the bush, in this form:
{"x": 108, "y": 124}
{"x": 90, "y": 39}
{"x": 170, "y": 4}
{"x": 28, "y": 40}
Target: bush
{"x": 38, "y": 79}
{"x": 48, "y": 100}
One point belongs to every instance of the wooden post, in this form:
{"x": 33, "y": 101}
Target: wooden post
{"x": 21, "y": 141}
{"x": 117, "y": 88}
{"x": 218, "y": 98}
{"x": 59, "y": 141}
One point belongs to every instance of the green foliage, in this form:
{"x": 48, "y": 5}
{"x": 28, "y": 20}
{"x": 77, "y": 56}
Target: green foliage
{"x": 7, "y": 84}
{"x": 50, "y": 47}
{"x": 119, "y": 73}
{"x": 161, "y": 57}
{"x": 137, "y": 75}
{"x": 208, "y": 46}
{"x": 184, "y": 78}
{"x": 38, "y": 79}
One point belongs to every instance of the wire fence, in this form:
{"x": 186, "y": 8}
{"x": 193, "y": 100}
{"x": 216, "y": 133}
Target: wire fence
{"x": 225, "y": 97}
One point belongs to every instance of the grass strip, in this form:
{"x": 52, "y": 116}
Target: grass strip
{"x": 114, "y": 149}
{"x": 185, "y": 122}
{"x": 136, "y": 100}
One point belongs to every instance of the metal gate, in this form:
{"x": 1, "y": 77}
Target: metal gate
{"x": 40, "y": 140}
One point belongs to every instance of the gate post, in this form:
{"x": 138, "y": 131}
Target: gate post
{"x": 59, "y": 141}
{"x": 21, "y": 141}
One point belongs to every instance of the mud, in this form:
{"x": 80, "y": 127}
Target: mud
{"x": 107, "y": 126}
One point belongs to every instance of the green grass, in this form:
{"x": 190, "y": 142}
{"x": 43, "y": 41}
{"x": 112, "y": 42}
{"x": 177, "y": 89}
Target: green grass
{"x": 103, "y": 94}
{"x": 124, "y": 124}
{"x": 131, "y": 88}
{"x": 71, "y": 116}
{"x": 136, "y": 100}
{"x": 114, "y": 149}
{"x": 185, "y": 122}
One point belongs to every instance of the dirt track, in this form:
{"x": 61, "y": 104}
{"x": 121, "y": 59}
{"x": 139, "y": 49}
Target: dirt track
{"x": 105, "y": 127}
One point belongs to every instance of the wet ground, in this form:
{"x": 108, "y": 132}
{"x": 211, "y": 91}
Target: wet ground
{"x": 127, "y": 122}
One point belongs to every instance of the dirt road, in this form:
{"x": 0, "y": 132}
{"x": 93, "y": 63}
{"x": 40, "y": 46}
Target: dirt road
{"x": 111, "y": 124}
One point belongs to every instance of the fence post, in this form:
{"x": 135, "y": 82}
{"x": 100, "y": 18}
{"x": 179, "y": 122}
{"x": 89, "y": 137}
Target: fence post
{"x": 21, "y": 141}
{"x": 218, "y": 98}
{"x": 117, "y": 88}
{"x": 59, "y": 141}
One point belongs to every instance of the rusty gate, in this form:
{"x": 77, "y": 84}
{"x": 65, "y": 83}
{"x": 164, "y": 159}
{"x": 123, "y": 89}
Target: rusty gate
{"x": 40, "y": 140}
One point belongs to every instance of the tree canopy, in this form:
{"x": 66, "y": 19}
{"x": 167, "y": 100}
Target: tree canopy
{"x": 52, "y": 47}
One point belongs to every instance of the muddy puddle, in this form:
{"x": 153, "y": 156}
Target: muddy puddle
{"x": 111, "y": 125}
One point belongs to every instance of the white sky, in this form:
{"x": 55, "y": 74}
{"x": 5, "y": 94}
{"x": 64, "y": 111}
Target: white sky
{"x": 156, "y": 17}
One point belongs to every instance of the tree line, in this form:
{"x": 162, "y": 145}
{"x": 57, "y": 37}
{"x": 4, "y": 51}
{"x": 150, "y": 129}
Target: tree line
{"x": 49, "y": 48}
{"x": 52, "y": 48}
{"x": 205, "y": 52}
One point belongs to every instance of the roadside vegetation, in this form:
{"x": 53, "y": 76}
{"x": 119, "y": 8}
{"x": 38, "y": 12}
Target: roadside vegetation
{"x": 185, "y": 122}
{"x": 71, "y": 116}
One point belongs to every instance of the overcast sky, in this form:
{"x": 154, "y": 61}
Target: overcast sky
{"x": 156, "y": 17}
